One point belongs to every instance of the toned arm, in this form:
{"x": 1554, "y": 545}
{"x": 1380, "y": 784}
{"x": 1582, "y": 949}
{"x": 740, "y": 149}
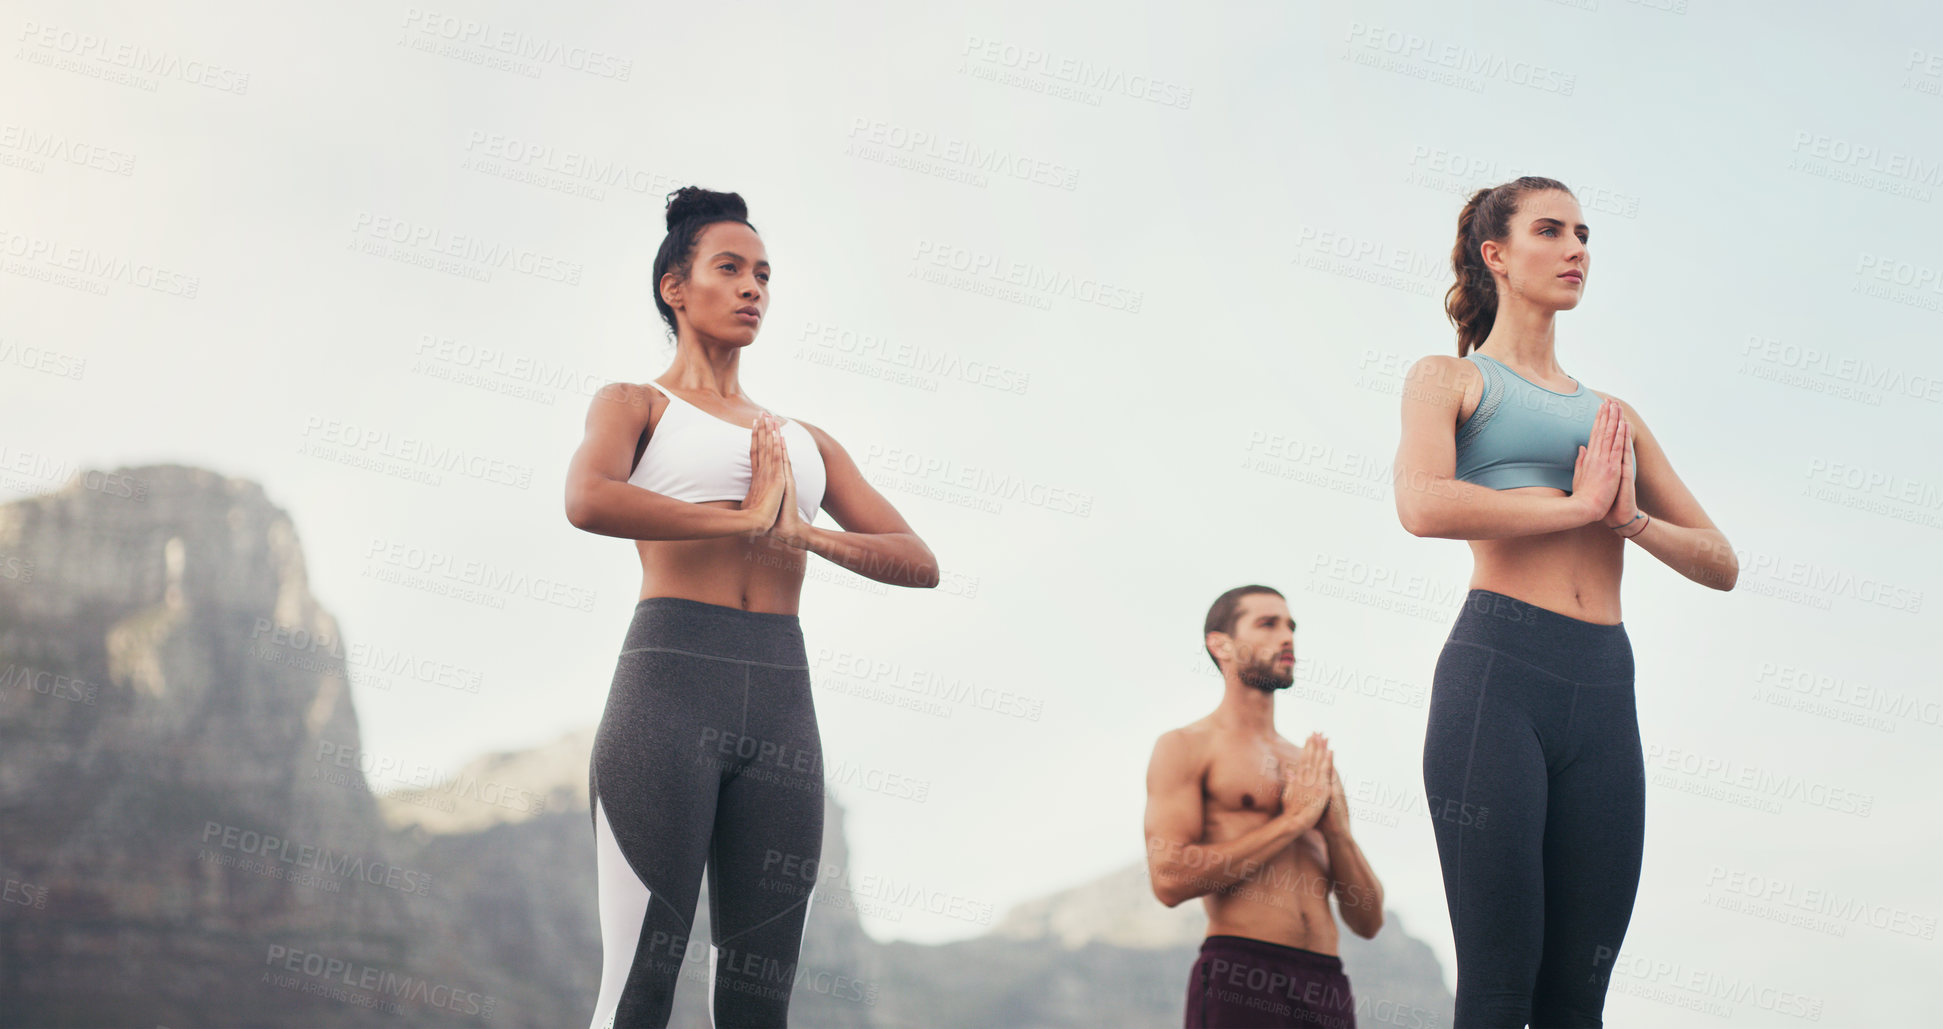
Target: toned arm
{"x": 1679, "y": 533}
{"x": 601, "y": 500}
{"x": 1431, "y": 500}
{"x": 877, "y": 543}
{"x": 1179, "y": 866}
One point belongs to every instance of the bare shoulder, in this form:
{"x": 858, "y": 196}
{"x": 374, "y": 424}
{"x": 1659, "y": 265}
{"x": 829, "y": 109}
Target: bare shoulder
{"x": 619, "y": 404}
{"x": 1440, "y": 383}
{"x": 1441, "y": 370}
{"x": 825, "y": 443}
{"x": 624, "y": 395}
{"x": 1185, "y": 748}
{"x": 1631, "y": 413}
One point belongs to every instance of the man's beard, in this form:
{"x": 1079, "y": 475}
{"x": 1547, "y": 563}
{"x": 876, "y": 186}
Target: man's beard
{"x": 1264, "y": 677}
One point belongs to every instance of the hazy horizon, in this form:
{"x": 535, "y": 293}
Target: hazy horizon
{"x": 1113, "y": 304}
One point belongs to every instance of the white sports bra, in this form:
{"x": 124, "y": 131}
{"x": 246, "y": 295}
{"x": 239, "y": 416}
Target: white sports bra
{"x": 694, "y": 456}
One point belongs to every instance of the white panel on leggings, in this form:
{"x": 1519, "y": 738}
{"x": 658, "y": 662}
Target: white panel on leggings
{"x": 623, "y": 900}
{"x": 712, "y": 951}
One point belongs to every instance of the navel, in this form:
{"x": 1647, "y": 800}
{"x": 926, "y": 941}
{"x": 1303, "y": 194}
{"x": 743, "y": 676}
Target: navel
{"x": 1248, "y": 800}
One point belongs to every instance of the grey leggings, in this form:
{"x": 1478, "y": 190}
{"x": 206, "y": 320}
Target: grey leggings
{"x": 707, "y": 754}
{"x": 1537, "y": 793}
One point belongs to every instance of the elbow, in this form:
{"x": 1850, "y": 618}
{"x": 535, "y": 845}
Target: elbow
{"x": 1414, "y": 519}
{"x": 1165, "y": 891}
{"x": 581, "y": 511}
{"x": 1371, "y": 926}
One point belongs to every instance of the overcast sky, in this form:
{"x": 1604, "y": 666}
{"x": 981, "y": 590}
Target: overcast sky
{"x": 1113, "y": 304}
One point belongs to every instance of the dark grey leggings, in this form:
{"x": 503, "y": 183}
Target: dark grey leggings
{"x": 707, "y": 753}
{"x": 1537, "y": 793}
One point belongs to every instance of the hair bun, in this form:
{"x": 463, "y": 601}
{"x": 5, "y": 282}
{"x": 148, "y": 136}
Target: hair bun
{"x": 696, "y": 202}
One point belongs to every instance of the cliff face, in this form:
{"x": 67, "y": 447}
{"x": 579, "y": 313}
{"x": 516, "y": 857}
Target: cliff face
{"x": 183, "y": 846}
{"x": 162, "y": 704}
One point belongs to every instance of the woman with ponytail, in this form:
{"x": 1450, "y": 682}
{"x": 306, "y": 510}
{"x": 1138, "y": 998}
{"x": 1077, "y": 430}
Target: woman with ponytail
{"x": 1532, "y": 758}
{"x": 708, "y": 752}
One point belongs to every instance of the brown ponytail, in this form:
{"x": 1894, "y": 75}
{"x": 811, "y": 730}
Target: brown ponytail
{"x": 1472, "y": 301}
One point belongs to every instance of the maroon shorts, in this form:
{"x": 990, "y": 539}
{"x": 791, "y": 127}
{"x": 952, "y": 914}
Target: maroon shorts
{"x": 1239, "y": 982}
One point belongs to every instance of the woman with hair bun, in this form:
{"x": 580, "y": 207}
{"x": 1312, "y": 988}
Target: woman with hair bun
{"x": 1532, "y": 760}
{"x": 707, "y": 753}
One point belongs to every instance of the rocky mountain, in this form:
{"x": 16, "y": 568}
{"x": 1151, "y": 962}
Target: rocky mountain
{"x": 158, "y": 721}
{"x": 186, "y": 845}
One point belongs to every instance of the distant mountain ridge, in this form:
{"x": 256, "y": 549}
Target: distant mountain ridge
{"x": 194, "y": 848}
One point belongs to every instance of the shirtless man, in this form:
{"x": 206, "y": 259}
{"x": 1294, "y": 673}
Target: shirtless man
{"x": 1259, "y": 829}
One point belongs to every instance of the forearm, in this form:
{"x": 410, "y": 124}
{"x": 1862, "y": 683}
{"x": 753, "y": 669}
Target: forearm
{"x": 609, "y": 508}
{"x": 1700, "y": 554}
{"x": 1447, "y": 508}
{"x": 897, "y": 558}
{"x": 1191, "y": 870}
{"x": 1359, "y": 896}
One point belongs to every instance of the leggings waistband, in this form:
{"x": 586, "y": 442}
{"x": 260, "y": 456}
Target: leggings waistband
{"x": 713, "y": 630}
{"x": 1582, "y": 652}
{"x": 1216, "y": 942}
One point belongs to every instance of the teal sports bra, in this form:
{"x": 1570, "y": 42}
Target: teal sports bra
{"x": 1523, "y": 434}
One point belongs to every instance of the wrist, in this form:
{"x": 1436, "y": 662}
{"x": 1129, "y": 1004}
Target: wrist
{"x": 1632, "y": 526}
{"x": 798, "y": 537}
{"x": 1295, "y": 824}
